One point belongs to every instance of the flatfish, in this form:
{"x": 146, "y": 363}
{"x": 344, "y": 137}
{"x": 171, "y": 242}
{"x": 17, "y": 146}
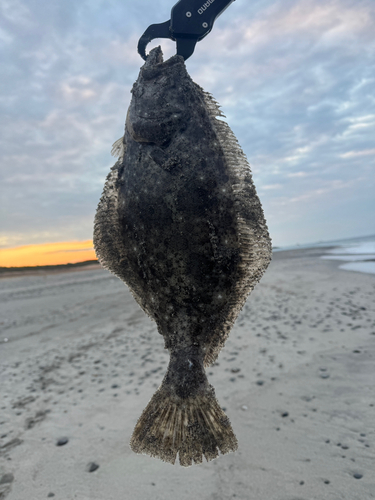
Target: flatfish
{"x": 179, "y": 221}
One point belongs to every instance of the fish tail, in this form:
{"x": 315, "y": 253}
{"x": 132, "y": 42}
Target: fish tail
{"x": 184, "y": 417}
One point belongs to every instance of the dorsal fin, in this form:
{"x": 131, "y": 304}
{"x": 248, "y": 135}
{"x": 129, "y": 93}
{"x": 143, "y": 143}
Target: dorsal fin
{"x": 255, "y": 243}
{"x": 118, "y": 148}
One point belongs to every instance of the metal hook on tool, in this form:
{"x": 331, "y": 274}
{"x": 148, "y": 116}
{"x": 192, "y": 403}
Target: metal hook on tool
{"x": 191, "y": 21}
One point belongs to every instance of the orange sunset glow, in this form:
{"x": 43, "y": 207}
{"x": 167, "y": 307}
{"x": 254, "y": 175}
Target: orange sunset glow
{"x": 47, "y": 254}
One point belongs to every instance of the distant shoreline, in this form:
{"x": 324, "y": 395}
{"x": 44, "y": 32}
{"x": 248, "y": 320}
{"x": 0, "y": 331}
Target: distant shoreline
{"x": 7, "y": 272}
{"x": 308, "y": 249}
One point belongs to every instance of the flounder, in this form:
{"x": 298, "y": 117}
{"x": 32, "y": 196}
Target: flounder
{"x": 179, "y": 221}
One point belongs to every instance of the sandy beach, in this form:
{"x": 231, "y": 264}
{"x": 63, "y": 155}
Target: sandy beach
{"x": 296, "y": 377}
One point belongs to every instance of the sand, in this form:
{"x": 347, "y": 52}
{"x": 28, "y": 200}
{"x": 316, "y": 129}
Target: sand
{"x": 296, "y": 378}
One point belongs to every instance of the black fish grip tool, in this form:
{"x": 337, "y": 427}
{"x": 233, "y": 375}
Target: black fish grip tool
{"x": 191, "y": 21}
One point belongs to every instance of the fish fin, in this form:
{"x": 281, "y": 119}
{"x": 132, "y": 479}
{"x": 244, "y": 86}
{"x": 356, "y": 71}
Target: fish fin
{"x": 213, "y": 349}
{"x": 254, "y": 240}
{"x": 191, "y": 427}
{"x": 118, "y": 148}
{"x": 106, "y": 226}
{"x": 108, "y": 242}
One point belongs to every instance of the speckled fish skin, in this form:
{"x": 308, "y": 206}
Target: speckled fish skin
{"x": 181, "y": 224}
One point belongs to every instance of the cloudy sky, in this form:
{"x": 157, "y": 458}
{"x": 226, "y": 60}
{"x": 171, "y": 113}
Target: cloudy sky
{"x": 295, "y": 78}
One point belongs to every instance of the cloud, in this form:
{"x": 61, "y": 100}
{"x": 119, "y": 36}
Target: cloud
{"x": 352, "y": 154}
{"x": 271, "y": 186}
{"x": 297, "y": 174}
{"x": 295, "y": 80}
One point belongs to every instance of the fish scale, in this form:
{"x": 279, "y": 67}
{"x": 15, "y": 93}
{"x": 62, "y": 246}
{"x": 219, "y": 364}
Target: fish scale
{"x": 181, "y": 224}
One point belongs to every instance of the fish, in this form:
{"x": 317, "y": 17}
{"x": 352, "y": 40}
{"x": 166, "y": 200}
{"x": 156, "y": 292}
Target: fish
{"x": 180, "y": 222}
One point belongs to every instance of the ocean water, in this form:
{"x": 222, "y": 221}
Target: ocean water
{"x": 357, "y": 254}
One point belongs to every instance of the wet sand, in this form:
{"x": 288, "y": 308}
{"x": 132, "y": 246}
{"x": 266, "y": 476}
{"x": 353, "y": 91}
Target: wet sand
{"x": 296, "y": 378}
